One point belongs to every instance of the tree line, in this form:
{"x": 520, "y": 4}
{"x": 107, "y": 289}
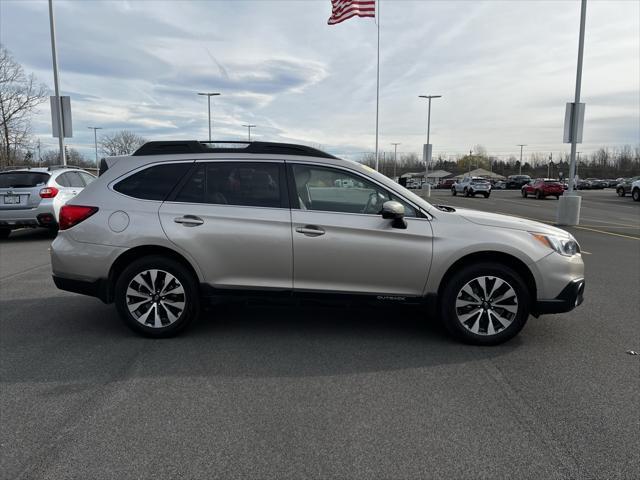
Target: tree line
{"x": 606, "y": 162}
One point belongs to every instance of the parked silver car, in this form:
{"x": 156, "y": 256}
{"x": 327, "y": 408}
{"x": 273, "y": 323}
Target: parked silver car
{"x": 32, "y": 197}
{"x": 177, "y": 222}
{"x": 470, "y": 186}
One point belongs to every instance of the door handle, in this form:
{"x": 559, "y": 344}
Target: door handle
{"x": 310, "y": 230}
{"x": 189, "y": 220}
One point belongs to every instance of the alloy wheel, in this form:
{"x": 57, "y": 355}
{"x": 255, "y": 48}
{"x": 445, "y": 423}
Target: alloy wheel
{"x": 486, "y": 305}
{"x": 155, "y": 298}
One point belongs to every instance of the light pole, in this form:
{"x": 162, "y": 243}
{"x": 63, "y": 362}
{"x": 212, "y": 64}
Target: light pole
{"x": 395, "y": 159}
{"x": 521, "y": 147}
{"x": 569, "y": 205}
{"x": 249, "y": 127}
{"x": 209, "y": 95}
{"x": 428, "y": 147}
{"x": 95, "y": 142}
{"x": 56, "y": 84}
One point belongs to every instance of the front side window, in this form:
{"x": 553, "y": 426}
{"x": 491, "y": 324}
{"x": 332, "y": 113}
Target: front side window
{"x": 234, "y": 183}
{"x": 334, "y": 190}
{"x": 153, "y": 183}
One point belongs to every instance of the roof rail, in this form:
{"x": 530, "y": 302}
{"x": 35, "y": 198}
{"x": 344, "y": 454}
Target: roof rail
{"x": 194, "y": 146}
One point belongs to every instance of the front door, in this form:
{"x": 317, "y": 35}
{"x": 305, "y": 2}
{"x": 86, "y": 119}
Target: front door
{"x": 342, "y": 244}
{"x": 234, "y": 221}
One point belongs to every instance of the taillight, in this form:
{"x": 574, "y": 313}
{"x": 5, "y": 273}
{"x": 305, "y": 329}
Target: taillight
{"x": 71, "y": 215}
{"x": 48, "y": 192}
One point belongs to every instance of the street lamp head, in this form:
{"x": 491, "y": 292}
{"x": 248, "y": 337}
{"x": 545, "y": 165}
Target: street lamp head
{"x": 429, "y": 96}
{"x": 209, "y": 94}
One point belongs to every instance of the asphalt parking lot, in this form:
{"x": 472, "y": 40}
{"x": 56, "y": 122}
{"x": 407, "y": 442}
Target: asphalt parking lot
{"x": 266, "y": 391}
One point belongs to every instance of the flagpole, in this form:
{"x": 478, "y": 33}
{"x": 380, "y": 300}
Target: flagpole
{"x": 378, "y": 82}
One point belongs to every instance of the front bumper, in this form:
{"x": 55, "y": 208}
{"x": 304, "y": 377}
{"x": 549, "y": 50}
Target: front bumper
{"x": 569, "y": 298}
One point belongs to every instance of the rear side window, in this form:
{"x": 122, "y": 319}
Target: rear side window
{"x": 23, "y": 179}
{"x": 87, "y": 178}
{"x": 153, "y": 183}
{"x": 235, "y": 183}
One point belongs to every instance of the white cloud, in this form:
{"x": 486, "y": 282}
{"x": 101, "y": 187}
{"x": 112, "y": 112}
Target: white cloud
{"x": 505, "y": 70}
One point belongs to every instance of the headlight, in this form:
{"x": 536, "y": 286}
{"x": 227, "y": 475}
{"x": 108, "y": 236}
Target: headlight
{"x": 564, "y": 246}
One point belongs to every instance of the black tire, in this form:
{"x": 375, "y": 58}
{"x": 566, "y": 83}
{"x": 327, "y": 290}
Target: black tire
{"x": 636, "y": 194}
{"x": 453, "y": 191}
{"x": 557, "y": 197}
{"x": 185, "y": 279}
{"x": 486, "y": 195}
{"x": 466, "y": 192}
{"x": 53, "y": 232}
{"x": 539, "y": 195}
{"x": 524, "y": 193}
{"x": 463, "y": 277}
{"x": 620, "y": 192}
{"x": 5, "y": 232}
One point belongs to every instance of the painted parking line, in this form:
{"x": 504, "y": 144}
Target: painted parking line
{"x": 585, "y": 252}
{"x": 631, "y": 237}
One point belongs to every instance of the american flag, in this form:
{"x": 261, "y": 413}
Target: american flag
{"x": 342, "y": 10}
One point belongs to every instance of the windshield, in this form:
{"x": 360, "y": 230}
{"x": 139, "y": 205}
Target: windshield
{"x": 22, "y": 179}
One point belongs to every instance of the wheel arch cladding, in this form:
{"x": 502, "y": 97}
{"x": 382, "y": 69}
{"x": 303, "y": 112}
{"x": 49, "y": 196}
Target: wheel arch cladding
{"x": 492, "y": 257}
{"x": 139, "y": 252}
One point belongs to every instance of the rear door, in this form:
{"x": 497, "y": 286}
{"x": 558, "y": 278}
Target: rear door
{"x": 20, "y": 190}
{"x": 234, "y": 220}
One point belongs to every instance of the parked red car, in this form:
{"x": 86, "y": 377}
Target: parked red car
{"x": 446, "y": 183}
{"x": 543, "y": 187}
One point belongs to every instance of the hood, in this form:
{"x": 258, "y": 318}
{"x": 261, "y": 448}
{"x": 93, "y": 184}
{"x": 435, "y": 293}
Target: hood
{"x": 508, "y": 221}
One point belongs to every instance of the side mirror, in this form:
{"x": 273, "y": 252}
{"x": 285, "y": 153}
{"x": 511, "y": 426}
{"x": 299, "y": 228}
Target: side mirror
{"x": 394, "y": 211}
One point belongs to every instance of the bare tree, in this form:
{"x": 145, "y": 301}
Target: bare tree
{"x": 20, "y": 94}
{"x": 123, "y": 142}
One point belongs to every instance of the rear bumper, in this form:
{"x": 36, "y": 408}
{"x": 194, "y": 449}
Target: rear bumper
{"x": 98, "y": 289}
{"x": 569, "y": 298}
{"x": 40, "y": 216}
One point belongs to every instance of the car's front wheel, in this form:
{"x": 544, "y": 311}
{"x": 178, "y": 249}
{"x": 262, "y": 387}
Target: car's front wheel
{"x": 620, "y": 192}
{"x": 636, "y": 194}
{"x": 524, "y": 193}
{"x": 157, "y": 296}
{"x": 453, "y": 191}
{"x": 485, "y": 304}
{"x": 5, "y": 232}
{"x": 539, "y": 195}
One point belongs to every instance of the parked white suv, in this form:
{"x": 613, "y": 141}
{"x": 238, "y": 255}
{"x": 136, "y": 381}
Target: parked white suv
{"x": 470, "y": 186}
{"x": 635, "y": 191}
{"x": 32, "y": 197}
{"x": 178, "y": 222}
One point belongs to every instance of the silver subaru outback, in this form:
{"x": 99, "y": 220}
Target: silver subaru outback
{"x": 177, "y": 223}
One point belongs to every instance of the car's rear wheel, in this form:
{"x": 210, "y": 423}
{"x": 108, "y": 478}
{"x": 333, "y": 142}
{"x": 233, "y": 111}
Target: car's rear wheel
{"x": 620, "y": 192}
{"x": 636, "y": 194}
{"x": 557, "y": 197}
{"x": 453, "y": 191}
{"x": 485, "y": 304}
{"x": 5, "y": 232}
{"x": 157, "y": 296}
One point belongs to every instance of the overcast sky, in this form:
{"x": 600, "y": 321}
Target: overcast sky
{"x": 505, "y": 70}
